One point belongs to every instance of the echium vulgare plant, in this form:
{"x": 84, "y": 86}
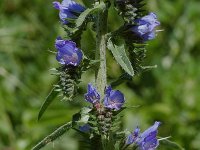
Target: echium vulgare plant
{"x": 100, "y": 122}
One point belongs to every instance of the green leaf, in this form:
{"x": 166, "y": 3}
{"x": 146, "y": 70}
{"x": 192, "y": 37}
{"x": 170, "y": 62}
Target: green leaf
{"x": 85, "y": 110}
{"x": 167, "y": 144}
{"x": 121, "y": 57}
{"x": 49, "y": 99}
{"x": 87, "y": 12}
{"x": 81, "y": 117}
{"x": 53, "y": 136}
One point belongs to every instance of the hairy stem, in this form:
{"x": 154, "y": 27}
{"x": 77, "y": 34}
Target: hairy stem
{"x": 100, "y": 74}
{"x": 53, "y": 136}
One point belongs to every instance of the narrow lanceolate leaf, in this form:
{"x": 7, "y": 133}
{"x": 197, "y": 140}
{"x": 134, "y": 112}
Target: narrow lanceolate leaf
{"x": 121, "y": 57}
{"x": 53, "y": 136}
{"x": 87, "y": 12}
{"x": 170, "y": 145}
{"x": 49, "y": 99}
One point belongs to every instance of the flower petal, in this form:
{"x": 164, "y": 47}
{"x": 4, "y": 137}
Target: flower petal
{"x": 68, "y": 10}
{"x": 92, "y": 95}
{"x": 148, "y": 139}
{"x": 68, "y": 53}
{"x": 57, "y": 5}
{"x": 151, "y": 130}
{"x": 145, "y": 26}
{"x": 114, "y": 99}
{"x": 133, "y": 136}
{"x": 85, "y": 128}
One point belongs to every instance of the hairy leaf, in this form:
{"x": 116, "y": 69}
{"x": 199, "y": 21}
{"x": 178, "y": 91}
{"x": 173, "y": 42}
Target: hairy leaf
{"x": 53, "y": 136}
{"x": 121, "y": 57}
{"x": 49, "y": 99}
{"x": 87, "y": 12}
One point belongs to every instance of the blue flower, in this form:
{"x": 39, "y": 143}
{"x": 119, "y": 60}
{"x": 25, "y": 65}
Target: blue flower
{"x": 147, "y": 140}
{"x": 68, "y": 53}
{"x": 133, "y": 136}
{"x": 68, "y": 10}
{"x": 85, "y": 128}
{"x": 145, "y": 27}
{"x": 114, "y": 99}
{"x": 92, "y": 95}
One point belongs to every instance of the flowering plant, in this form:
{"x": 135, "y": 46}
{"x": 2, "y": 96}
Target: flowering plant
{"x": 100, "y": 122}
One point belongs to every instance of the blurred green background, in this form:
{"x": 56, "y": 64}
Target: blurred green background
{"x": 170, "y": 93}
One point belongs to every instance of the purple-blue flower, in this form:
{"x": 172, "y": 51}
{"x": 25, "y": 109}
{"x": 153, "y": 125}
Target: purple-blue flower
{"x": 68, "y": 53}
{"x": 92, "y": 94}
{"x": 68, "y": 10}
{"x": 114, "y": 99}
{"x": 145, "y": 27}
{"x": 85, "y": 128}
{"x": 146, "y": 140}
{"x": 133, "y": 136}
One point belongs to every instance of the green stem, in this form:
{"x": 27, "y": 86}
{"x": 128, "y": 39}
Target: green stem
{"x": 53, "y": 136}
{"x": 100, "y": 74}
